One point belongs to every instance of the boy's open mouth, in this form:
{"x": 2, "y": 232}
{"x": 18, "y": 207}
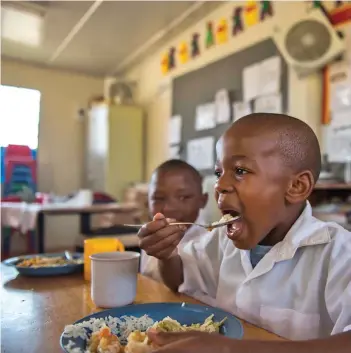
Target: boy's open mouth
{"x": 231, "y": 213}
{"x": 233, "y": 228}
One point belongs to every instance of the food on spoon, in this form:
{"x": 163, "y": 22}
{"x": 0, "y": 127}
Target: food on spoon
{"x": 225, "y": 218}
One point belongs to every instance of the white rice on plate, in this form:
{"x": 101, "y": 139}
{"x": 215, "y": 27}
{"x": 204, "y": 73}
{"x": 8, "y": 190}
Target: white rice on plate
{"x": 121, "y": 327}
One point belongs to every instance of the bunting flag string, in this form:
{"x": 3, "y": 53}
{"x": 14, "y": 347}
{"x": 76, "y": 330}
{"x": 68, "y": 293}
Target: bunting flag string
{"x": 242, "y": 17}
{"x": 222, "y": 32}
{"x": 210, "y": 41}
{"x": 216, "y": 33}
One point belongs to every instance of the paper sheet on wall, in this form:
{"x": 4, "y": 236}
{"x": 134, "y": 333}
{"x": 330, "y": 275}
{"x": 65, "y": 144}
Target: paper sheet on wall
{"x": 251, "y": 82}
{"x": 346, "y": 29}
{"x": 341, "y": 119}
{"x": 268, "y": 104}
{"x": 205, "y": 116}
{"x": 269, "y": 75}
{"x": 241, "y": 109}
{"x": 175, "y": 130}
{"x": 338, "y": 144}
{"x": 340, "y": 86}
{"x": 174, "y": 152}
{"x": 222, "y": 102}
{"x": 200, "y": 153}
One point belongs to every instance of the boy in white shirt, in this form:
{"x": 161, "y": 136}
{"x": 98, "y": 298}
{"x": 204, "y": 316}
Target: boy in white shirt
{"x": 175, "y": 191}
{"x": 277, "y": 266}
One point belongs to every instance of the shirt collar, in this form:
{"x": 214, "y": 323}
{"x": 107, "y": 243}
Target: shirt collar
{"x": 306, "y": 231}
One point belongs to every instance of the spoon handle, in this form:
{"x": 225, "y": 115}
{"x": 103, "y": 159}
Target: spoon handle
{"x": 183, "y": 223}
{"x": 131, "y": 225}
{"x": 171, "y": 224}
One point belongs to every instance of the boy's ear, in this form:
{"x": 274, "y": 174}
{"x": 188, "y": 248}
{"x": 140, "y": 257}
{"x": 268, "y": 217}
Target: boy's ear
{"x": 300, "y": 187}
{"x": 204, "y": 199}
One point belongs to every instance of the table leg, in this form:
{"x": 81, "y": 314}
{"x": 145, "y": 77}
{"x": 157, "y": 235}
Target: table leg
{"x": 41, "y": 232}
{"x": 84, "y": 223}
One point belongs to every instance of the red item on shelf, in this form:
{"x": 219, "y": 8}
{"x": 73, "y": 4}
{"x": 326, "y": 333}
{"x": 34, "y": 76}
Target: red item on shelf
{"x": 11, "y": 164}
{"x": 17, "y": 151}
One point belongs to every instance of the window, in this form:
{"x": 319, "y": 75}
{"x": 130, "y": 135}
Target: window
{"x": 19, "y": 116}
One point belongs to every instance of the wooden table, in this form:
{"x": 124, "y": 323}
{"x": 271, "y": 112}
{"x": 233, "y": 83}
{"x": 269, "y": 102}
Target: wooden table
{"x": 35, "y": 310}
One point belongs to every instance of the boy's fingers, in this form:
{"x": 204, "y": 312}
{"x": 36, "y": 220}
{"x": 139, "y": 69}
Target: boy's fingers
{"x": 152, "y": 227}
{"x": 164, "y": 338}
{"x": 166, "y": 253}
{"x": 163, "y": 245}
{"x": 180, "y": 346}
{"x": 162, "y": 234}
{"x": 158, "y": 216}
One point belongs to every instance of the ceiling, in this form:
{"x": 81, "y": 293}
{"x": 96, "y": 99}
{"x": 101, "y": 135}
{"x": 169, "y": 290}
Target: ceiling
{"x": 104, "y": 37}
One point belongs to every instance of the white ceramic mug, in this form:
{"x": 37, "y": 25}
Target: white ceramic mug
{"x": 114, "y": 278}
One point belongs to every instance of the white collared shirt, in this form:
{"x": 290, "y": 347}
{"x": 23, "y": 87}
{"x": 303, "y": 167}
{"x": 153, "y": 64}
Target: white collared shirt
{"x": 301, "y": 289}
{"x": 149, "y": 264}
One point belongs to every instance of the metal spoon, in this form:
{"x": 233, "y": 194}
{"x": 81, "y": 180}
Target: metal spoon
{"x": 206, "y": 226}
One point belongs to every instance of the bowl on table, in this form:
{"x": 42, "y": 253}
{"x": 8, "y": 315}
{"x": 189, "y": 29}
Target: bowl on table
{"x": 51, "y": 269}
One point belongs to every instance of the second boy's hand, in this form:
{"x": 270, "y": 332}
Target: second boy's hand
{"x": 160, "y": 240}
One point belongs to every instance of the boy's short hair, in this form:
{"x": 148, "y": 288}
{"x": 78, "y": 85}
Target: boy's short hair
{"x": 296, "y": 141}
{"x": 178, "y": 164}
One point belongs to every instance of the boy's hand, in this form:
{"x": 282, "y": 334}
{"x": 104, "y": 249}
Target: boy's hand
{"x": 196, "y": 342}
{"x": 159, "y": 239}
{"x": 191, "y": 342}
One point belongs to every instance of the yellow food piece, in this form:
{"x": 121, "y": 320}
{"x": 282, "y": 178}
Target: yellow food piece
{"x": 138, "y": 342}
{"x": 104, "y": 341}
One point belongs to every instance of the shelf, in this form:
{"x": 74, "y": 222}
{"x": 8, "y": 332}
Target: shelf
{"x": 330, "y": 186}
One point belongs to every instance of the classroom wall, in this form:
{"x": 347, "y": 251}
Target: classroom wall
{"x": 154, "y": 90}
{"x": 61, "y": 133}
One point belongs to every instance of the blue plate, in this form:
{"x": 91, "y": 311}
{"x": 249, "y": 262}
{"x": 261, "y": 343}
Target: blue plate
{"x": 186, "y": 314}
{"x": 45, "y": 271}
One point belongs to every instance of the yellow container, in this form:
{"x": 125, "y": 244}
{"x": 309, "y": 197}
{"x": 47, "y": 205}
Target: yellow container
{"x": 98, "y": 245}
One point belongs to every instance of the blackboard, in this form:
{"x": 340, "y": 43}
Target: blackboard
{"x": 200, "y": 86}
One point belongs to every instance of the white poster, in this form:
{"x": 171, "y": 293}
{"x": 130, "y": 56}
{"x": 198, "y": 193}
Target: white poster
{"x": 251, "y": 82}
{"x": 175, "y": 130}
{"x": 269, "y": 76}
{"x": 340, "y": 86}
{"x": 205, "y": 117}
{"x": 222, "y": 102}
{"x": 269, "y": 104}
{"x": 341, "y": 118}
{"x": 241, "y": 109}
{"x": 200, "y": 153}
{"x": 338, "y": 144}
{"x": 174, "y": 152}
{"x": 346, "y": 30}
